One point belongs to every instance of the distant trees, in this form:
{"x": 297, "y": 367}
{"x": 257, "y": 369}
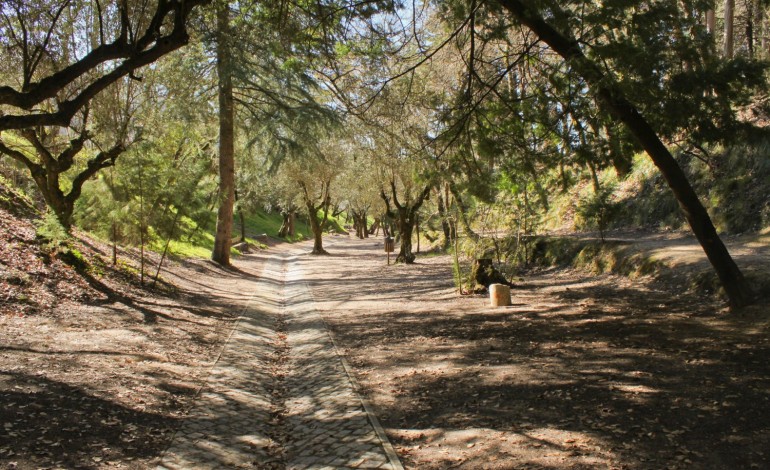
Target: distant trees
{"x": 476, "y": 102}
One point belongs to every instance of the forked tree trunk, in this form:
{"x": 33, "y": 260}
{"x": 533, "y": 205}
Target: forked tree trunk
{"x": 292, "y": 219}
{"x": 286, "y": 224}
{"x": 223, "y": 238}
{"x": 47, "y": 174}
{"x": 405, "y": 229}
{"x": 611, "y": 98}
{"x": 375, "y": 228}
{"x": 359, "y": 224}
{"x": 316, "y": 228}
{"x": 405, "y": 215}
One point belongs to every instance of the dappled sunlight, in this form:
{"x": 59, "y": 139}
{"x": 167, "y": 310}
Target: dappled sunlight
{"x": 486, "y": 448}
{"x": 591, "y": 371}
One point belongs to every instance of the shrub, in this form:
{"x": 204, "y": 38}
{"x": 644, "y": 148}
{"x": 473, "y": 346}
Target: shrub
{"x": 51, "y": 232}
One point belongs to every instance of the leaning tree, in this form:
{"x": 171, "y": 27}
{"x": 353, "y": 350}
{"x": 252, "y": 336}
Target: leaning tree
{"x": 555, "y": 25}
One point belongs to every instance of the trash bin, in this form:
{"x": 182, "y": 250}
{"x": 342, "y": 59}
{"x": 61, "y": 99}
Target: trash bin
{"x": 390, "y": 245}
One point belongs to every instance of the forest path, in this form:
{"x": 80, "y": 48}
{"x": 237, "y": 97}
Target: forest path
{"x": 280, "y": 395}
{"x": 581, "y": 371}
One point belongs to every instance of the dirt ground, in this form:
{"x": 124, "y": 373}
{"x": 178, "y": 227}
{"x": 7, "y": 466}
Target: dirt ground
{"x": 96, "y": 372}
{"x": 580, "y": 372}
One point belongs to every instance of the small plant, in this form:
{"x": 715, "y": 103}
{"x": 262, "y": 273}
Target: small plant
{"x": 598, "y": 209}
{"x": 51, "y": 232}
{"x": 74, "y": 258}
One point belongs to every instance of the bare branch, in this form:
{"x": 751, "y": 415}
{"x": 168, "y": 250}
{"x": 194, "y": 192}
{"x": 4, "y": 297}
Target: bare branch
{"x": 152, "y": 45}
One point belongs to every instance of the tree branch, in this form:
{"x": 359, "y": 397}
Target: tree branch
{"x": 103, "y": 160}
{"x": 33, "y": 167}
{"x": 135, "y": 55}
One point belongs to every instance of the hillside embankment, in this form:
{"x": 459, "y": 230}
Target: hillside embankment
{"x": 674, "y": 258}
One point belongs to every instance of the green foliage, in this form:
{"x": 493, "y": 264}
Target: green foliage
{"x": 597, "y": 210}
{"x": 57, "y": 239}
{"x": 733, "y": 184}
{"x": 51, "y": 231}
{"x": 15, "y": 199}
{"x": 738, "y": 188}
{"x": 159, "y": 190}
{"x": 269, "y": 223}
{"x": 74, "y": 258}
{"x": 334, "y": 224}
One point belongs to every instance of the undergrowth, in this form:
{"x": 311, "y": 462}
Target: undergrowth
{"x": 733, "y": 184}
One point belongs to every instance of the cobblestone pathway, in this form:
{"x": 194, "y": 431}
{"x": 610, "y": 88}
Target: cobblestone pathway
{"x": 325, "y": 423}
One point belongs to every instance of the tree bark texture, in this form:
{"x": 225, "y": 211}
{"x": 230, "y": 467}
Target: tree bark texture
{"x": 359, "y": 223}
{"x": 613, "y": 101}
{"x": 223, "y": 237}
{"x": 287, "y": 226}
{"x": 375, "y": 228}
{"x": 445, "y": 229}
{"x": 463, "y": 213}
{"x": 729, "y": 26}
{"x": 317, "y": 226}
{"x": 405, "y": 215}
{"x": 711, "y": 21}
{"x": 47, "y": 173}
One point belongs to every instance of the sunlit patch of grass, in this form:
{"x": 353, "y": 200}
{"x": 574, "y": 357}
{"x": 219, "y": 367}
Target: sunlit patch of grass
{"x": 199, "y": 247}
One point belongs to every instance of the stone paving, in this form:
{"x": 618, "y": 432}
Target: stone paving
{"x": 324, "y": 422}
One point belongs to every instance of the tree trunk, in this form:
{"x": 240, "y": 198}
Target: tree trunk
{"x": 463, "y": 213}
{"x": 165, "y": 248}
{"x": 417, "y": 228}
{"x": 612, "y": 100}
{"x": 292, "y": 219}
{"x": 223, "y": 238}
{"x": 357, "y": 224}
{"x": 762, "y": 23}
{"x": 375, "y": 228}
{"x": 142, "y": 225}
{"x": 284, "y": 230}
{"x": 711, "y": 22}
{"x": 405, "y": 215}
{"x": 114, "y": 243}
{"x": 442, "y": 212}
{"x": 317, "y": 229}
{"x": 622, "y": 163}
{"x": 405, "y": 228}
{"x": 750, "y": 29}
{"x": 729, "y": 25}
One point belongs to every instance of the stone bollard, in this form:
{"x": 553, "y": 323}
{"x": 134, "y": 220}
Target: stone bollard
{"x": 499, "y": 295}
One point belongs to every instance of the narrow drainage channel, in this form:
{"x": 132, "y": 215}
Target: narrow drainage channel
{"x": 278, "y": 364}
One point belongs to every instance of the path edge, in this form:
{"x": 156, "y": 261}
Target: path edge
{"x": 157, "y": 463}
{"x": 378, "y": 429}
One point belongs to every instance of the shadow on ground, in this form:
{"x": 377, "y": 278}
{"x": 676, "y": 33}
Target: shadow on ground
{"x": 580, "y": 371}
